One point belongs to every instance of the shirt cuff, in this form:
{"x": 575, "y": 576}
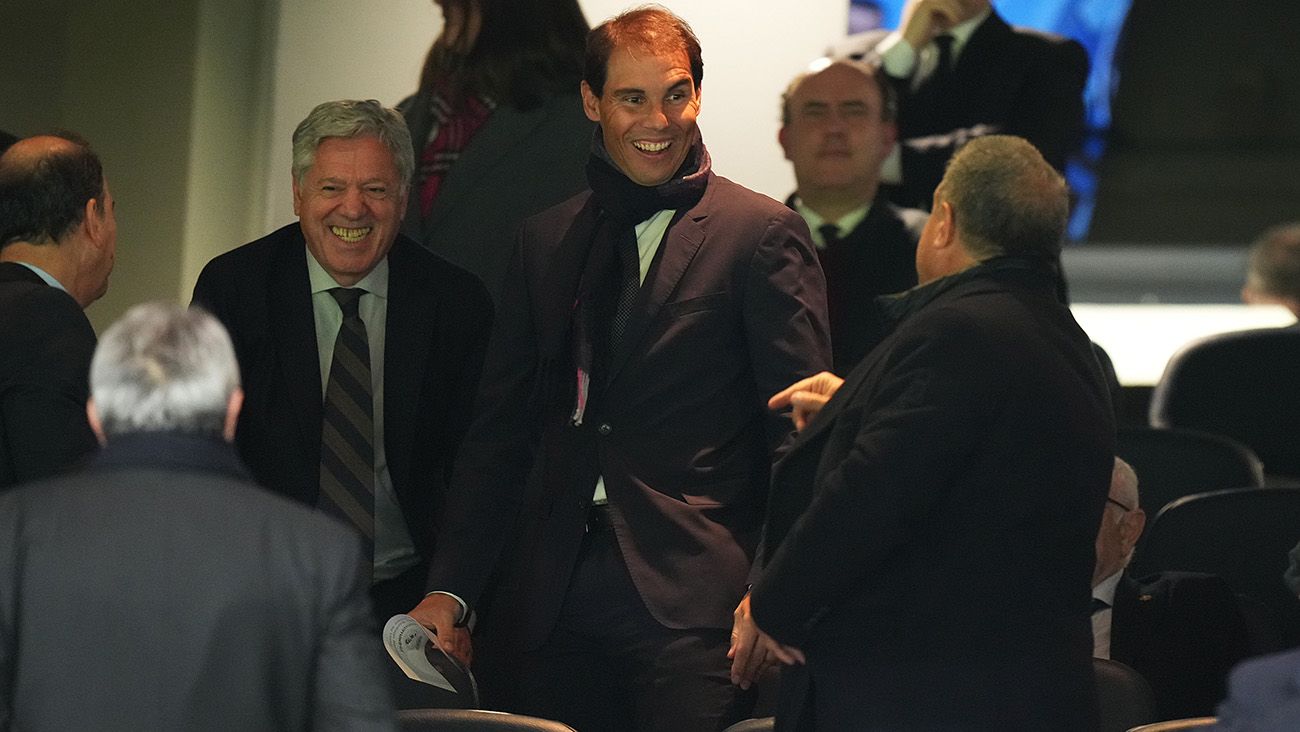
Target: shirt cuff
{"x": 463, "y": 616}
{"x": 897, "y": 56}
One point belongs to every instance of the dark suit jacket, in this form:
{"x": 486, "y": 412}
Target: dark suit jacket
{"x": 1017, "y": 80}
{"x": 877, "y": 258}
{"x": 731, "y": 311}
{"x": 45, "y": 348}
{"x": 436, "y": 331}
{"x": 1183, "y": 632}
{"x": 1263, "y": 695}
{"x": 930, "y": 534}
{"x": 520, "y": 163}
{"x": 160, "y": 589}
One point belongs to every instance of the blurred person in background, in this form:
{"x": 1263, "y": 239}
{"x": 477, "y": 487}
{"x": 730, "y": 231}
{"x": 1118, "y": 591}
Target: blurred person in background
{"x": 498, "y": 127}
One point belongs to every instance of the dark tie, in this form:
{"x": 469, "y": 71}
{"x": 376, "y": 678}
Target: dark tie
{"x": 830, "y": 235}
{"x": 943, "y": 70}
{"x": 832, "y": 257}
{"x": 347, "y": 456}
{"x": 1098, "y": 605}
{"x": 629, "y": 283}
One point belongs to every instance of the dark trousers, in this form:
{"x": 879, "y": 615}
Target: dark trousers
{"x": 609, "y": 665}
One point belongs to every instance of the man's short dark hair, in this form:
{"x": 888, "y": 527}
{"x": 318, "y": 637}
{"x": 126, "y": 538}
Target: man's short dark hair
{"x": 43, "y": 199}
{"x": 1274, "y": 268}
{"x": 871, "y": 70}
{"x": 1007, "y": 198}
{"x": 653, "y": 28}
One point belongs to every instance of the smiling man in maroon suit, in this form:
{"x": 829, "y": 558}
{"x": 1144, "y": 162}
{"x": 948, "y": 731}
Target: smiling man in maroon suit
{"x": 621, "y": 423}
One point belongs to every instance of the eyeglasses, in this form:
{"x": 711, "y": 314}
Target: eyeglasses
{"x": 1126, "y": 509}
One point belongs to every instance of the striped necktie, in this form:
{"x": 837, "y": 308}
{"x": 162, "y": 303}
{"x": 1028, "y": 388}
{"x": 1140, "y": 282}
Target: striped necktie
{"x": 347, "y": 458}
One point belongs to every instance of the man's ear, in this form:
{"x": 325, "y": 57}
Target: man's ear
{"x": 95, "y": 220}
{"x": 781, "y": 138}
{"x": 889, "y": 136}
{"x": 233, "y": 405}
{"x": 945, "y": 225}
{"x": 92, "y": 416}
{"x": 1131, "y": 530}
{"x": 590, "y": 102}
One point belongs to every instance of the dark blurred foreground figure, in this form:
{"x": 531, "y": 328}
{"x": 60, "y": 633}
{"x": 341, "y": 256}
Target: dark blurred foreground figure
{"x": 1263, "y": 695}
{"x": 162, "y": 589}
{"x": 930, "y": 532}
{"x": 58, "y": 240}
{"x": 498, "y": 127}
{"x": 1182, "y": 631}
{"x": 961, "y": 72}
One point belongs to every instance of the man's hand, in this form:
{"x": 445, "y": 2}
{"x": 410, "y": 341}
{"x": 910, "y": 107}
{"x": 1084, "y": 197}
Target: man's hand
{"x": 752, "y": 650}
{"x": 925, "y": 19}
{"x": 806, "y": 397}
{"x": 439, "y": 613}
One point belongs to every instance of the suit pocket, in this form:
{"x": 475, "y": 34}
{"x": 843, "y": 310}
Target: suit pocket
{"x": 695, "y": 305}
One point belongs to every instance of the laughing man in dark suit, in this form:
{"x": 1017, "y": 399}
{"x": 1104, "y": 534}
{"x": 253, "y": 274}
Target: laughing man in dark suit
{"x": 413, "y": 327}
{"x": 642, "y": 323}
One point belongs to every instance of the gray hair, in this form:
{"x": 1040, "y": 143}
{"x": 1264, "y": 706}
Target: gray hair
{"x": 163, "y": 368}
{"x": 349, "y": 118}
{"x": 1274, "y": 268}
{"x": 1007, "y": 198}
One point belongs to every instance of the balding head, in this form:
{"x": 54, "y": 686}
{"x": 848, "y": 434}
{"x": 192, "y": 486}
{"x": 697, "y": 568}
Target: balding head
{"x": 1122, "y": 521}
{"x": 45, "y": 183}
{"x": 56, "y": 212}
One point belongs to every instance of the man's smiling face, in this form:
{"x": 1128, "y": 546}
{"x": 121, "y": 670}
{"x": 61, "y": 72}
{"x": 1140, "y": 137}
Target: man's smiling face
{"x": 646, "y": 112}
{"x": 350, "y": 204}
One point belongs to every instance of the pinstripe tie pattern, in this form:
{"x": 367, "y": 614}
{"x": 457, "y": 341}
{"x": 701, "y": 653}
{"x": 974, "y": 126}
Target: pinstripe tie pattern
{"x": 347, "y": 463}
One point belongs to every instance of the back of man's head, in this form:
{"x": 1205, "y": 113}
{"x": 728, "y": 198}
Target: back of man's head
{"x": 1008, "y": 199}
{"x": 45, "y": 183}
{"x": 162, "y": 368}
{"x": 1273, "y": 274}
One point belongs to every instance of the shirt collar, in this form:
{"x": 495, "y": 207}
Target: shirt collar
{"x": 1105, "y": 590}
{"x": 374, "y": 283}
{"x": 846, "y": 223}
{"x": 962, "y": 32}
{"x": 46, "y": 276}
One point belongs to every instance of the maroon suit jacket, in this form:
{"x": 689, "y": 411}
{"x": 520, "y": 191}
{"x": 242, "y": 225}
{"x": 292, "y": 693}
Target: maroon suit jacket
{"x": 731, "y": 311}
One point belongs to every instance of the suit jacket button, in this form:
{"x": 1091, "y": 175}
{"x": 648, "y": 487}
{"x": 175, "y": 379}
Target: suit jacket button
{"x": 604, "y": 428}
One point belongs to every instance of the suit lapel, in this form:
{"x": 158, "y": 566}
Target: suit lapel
{"x": 678, "y": 248}
{"x": 293, "y": 329}
{"x": 559, "y": 284}
{"x": 413, "y": 311}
